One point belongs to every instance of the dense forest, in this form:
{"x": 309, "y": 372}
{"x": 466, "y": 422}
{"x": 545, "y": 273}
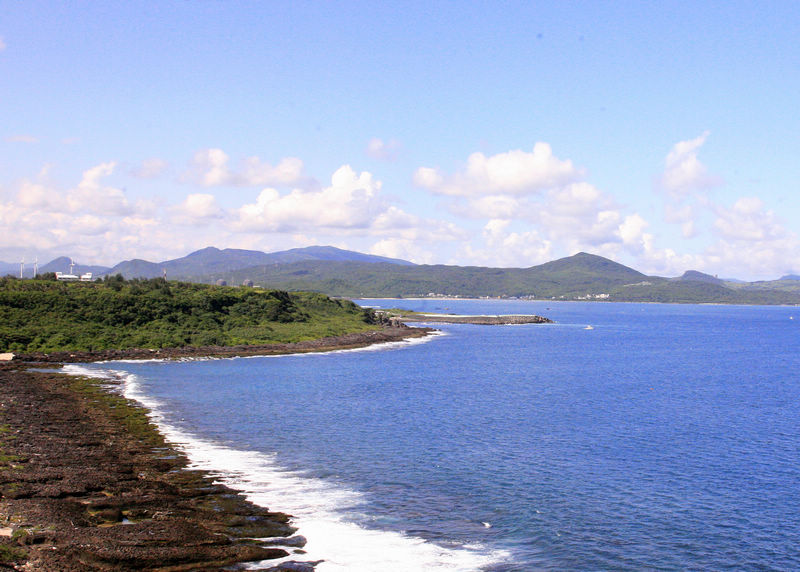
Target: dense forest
{"x": 43, "y": 315}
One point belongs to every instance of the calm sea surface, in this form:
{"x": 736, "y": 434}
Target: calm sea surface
{"x": 667, "y": 436}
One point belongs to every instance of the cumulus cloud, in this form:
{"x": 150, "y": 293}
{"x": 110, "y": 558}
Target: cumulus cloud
{"x": 352, "y": 205}
{"x": 750, "y": 239}
{"x": 384, "y": 151}
{"x": 536, "y": 206}
{"x": 404, "y": 249}
{"x": 91, "y": 219}
{"x": 351, "y": 201}
{"x": 197, "y": 208}
{"x": 761, "y": 248}
{"x": 89, "y": 195}
{"x": 511, "y": 173}
{"x": 580, "y": 216}
{"x": 93, "y": 196}
{"x": 210, "y": 168}
{"x": 492, "y": 206}
{"x": 683, "y": 172}
{"x": 747, "y": 220}
{"x": 503, "y": 247}
{"x": 96, "y": 221}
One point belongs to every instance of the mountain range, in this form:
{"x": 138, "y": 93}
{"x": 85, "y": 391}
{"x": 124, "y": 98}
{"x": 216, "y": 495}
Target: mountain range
{"x": 347, "y": 273}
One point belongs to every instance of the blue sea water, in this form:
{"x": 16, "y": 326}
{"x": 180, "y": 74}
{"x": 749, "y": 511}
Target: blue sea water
{"x": 665, "y": 437}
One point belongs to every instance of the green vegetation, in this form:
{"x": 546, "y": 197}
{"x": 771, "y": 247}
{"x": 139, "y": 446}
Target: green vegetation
{"x": 570, "y": 277}
{"x": 11, "y": 554}
{"x": 579, "y": 277}
{"x": 47, "y": 316}
{"x": 127, "y": 413}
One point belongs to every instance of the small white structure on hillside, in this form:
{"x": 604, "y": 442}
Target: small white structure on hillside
{"x": 71, "y": 277}
{"x": 67, "y": 277}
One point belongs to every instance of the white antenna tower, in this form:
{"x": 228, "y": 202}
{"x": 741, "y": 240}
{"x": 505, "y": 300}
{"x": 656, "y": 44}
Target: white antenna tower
{"x": 71, "y": 265}
{"x": 21, "y": 266}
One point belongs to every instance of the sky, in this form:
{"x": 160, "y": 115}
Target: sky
{"x": 663, "y": 135}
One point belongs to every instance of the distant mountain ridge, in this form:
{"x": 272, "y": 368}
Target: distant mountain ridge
{"x": 338, "y": 272}
{"x": 212, "y": 260}
{"x": 695, "y": 276}
{"x": 60, "y": 264}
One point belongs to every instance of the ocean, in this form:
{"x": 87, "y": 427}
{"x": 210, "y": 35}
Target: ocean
{"x": 622, "y": 437}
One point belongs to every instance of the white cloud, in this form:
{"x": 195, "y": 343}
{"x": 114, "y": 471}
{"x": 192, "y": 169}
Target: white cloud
{"x": 197, "y": 208}
{"x": 21, "y": 138}
{"x": 384, "y": 151}
{"x": 92, "y": 196}
{"x": 511, "y": 173}
{"x": 209, "y": 168}
{"x": 34, "y": 195}
{"x": 351, "y": 201}
{"x": 150, "y": 168}
{"x": 753, "y": 241}
{"x": 492, "y": 206}
{"x": 351, "y": 206}
{"x": 747, "y": 221}
{"x": 502, "y": 247}
{"x": 631, "y": 231}
{"x": 683, "y": 171}
{"x": 403, "y": 249}
{"x": 288, "y": 172}
{"x": 580, "y": 217}
{"x": 89, "y": 196}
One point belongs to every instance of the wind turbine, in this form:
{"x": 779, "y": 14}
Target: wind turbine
{"x": 36, "y": 267}
{"x": 21, "y": 266}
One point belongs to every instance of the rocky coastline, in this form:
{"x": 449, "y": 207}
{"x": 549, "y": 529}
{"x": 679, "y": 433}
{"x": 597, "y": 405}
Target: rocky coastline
{"x": 87, "y": 483}
{"x": 394, "y": 333}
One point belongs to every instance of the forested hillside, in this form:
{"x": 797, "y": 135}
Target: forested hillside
{"x": 44, "y": 315}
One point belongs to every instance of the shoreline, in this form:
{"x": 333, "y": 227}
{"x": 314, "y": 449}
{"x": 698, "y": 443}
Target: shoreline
{"x": 88, "y": 482}
{"x": 343, "y": 342}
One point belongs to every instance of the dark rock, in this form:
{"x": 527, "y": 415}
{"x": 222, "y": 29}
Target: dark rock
{"x": 298, "y": 541}
{"x": 293, "y": 566}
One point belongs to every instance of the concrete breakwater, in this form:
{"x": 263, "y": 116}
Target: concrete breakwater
{"x": 480, "y": 320}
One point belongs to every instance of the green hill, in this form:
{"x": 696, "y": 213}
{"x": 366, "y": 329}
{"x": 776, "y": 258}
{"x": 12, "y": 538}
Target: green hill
{"x": 45, "y": 315}
{"x": 579, "y": 277}
{"x": 574, "y": 276}
{"x": 210, "y": 260}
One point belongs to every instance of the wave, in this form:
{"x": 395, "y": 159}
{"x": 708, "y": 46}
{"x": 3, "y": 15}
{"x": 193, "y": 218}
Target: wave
{"x": 370, "y": 348}
{"x": 319, "y": 508}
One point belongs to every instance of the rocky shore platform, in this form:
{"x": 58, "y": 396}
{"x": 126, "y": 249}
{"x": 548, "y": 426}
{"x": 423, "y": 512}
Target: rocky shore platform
{"x": 88, "y": 484}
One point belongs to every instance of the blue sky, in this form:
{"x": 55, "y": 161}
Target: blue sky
{"x": 662, "y": 135}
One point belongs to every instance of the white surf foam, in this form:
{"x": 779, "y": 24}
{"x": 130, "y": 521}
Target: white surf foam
{"x": 383, "y": 346}
{"x": 319, "y": 507}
